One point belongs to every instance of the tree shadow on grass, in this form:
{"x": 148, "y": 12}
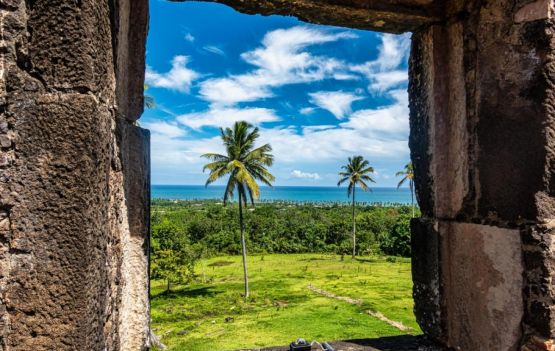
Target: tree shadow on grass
{"x": 207, "y": 291}
{"x": 367, "y": 260}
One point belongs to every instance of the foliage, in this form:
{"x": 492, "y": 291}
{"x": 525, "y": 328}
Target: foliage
{"x": 398, "y": 241}
{"x": 173, "y": 257}
{"x": 149, "y": 101}
{"x": 282, "y": 227}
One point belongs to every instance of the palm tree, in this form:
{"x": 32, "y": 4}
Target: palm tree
{"x": 149, "y": 101}
{"x": 244, "y": 164}
{"x": 357, "y": 171}
{"x": 408, "y": 174}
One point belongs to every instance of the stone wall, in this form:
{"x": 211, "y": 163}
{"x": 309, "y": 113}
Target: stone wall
{"x": 482, "y": 143}
{"x": 74, "y": 176}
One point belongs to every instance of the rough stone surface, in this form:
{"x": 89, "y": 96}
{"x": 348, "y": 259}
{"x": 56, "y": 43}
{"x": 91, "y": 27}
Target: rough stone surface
{"x": 426, "y": 277}
{"x": 539, "y": 260}
{"x": 68, "y": 253}
{"x": 482, "y": 279}
{"x": 482, "y": 115}
{"x": 394, "y": 16}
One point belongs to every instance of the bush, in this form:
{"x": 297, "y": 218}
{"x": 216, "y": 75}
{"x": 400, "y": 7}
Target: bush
{"x": 397, "y": 243}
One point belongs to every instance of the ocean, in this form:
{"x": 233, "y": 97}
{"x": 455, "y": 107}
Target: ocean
{"x": 286, "y": 194}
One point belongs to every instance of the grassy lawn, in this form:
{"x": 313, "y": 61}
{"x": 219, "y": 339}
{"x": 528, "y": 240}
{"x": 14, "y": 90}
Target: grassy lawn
{"x": 211, "y": 314}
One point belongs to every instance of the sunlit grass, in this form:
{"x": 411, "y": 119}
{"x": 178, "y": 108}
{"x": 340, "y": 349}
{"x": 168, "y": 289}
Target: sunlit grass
{"x": 281, "y": 308}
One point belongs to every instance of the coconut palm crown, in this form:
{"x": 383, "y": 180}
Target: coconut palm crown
{"x": 356, "y": 172}
{"x": 408, "y": 175}
{"x": 244, "y": 165}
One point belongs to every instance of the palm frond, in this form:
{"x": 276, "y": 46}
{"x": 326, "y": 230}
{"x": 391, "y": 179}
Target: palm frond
{"x": 217, "y": 174}
{"x": 229, "y": 189}
{"x": 214, "y": 165}
{"x": 367, "y": 178}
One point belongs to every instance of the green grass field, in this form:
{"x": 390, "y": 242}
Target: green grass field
{"x": 281, "y": 308}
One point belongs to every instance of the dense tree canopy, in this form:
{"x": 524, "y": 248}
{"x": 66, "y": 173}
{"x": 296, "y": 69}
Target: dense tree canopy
{"x": 282, "y": 228}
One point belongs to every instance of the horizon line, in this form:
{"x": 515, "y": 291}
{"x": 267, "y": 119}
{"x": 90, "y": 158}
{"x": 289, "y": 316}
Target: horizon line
{"x": 282, "y": 186}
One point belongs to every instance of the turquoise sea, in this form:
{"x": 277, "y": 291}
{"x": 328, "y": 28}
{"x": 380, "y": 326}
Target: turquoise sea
{"x": 286, "y": 194}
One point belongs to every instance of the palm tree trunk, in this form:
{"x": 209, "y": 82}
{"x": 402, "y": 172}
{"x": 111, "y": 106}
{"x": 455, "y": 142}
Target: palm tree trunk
{"x": 412, "y": 196}
{"x": 354, "y": 225}
{"x": 243, "y": 246}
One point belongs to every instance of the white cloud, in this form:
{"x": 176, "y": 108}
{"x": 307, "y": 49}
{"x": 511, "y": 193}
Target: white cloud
{"x": 337, "y": 102}
{"x": 307, "y": 110}
{"x": 383, "y": 81}
{"x": 189, "y": 37}
{"x": 303, "y": 175}
{"x": 386, "y": 122}
{"x": 178, "y": 78}
{"x": 229, "y": 91}
{"x": 384, "y": 73}
{"x": 166, "y": 129}
{"x": 214, "y": 50}
{"x": 225, "y": 116}
{"x": 281, "y": 60}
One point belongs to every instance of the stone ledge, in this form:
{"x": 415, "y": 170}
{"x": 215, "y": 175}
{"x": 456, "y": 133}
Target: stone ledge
{"x": 392, "y": 343}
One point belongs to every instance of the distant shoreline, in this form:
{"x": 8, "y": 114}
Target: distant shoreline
{"x": 329, "y": 203}
{"x": 287, "y": 194}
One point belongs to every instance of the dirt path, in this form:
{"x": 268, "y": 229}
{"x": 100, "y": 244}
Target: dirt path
{"x": 375, "y": 314}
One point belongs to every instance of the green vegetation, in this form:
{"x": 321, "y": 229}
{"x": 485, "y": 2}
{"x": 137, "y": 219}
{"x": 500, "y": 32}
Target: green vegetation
{"x": 281, "y": 228}
{"x": 244, "y": 165}
{"x": 356, "y": 172}
{"x": 197, "y": 299}
{"x": 210, "y": 313}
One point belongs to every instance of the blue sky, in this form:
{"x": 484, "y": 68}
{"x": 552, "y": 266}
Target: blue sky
{"x": 318, "y": 94}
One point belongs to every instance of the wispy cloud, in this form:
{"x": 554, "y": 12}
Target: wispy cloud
{"x": 303, "y": 175}
{"x": 337, "y": 102}
{"x": 281, "y": 60}
{"x": 385, "y": 71}
{"x": 190, "y": 38}
{"x": 225, "y": 116}
{"x": 214, "y": 50}
{"x": 178, "y": 78}
{"x": 166, "y": 129}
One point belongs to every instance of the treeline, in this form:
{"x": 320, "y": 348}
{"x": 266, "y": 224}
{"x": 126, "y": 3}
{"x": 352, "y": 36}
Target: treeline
{"x": 280, "y": 228}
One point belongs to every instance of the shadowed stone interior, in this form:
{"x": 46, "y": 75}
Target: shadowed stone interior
{"x": 74, "y": 168}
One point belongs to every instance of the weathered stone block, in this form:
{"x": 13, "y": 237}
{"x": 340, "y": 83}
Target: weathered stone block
{"x": 395, "y": 16}
{"x": 539, "y": 289}
{"x": 482, "y": 278}
{"x": 134, "y": 309}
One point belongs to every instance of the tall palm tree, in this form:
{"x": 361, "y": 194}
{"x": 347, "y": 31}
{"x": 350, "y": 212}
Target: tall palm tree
{"x": 357, "y": 171}
{"x": 408, "y": 175}
{"x": 244, "y": 164}
{"x": 149, "y": 101}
